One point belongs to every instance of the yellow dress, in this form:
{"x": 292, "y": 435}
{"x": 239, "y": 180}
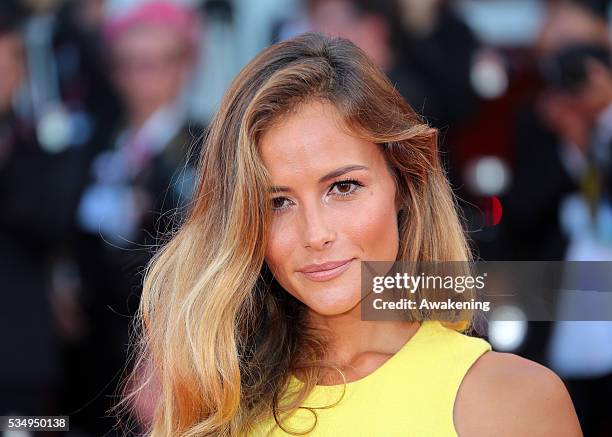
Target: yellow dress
{"x": 410, "y": 394}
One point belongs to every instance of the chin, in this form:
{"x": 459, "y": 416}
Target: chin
{"x": 329, "y": 312}
{"x": 335, "y": 297}
{"x": 333, "y": 304}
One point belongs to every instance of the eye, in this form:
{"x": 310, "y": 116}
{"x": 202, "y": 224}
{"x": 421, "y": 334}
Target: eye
{"x": 278, "y": 203}
{"x": 343, "y": 188}
{"x": 346, "y": 187}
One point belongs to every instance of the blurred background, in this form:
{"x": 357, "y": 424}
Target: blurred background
{"x": 103, "y": 105}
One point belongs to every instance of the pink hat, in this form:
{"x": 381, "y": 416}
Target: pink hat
{"x": 178, "y": 18}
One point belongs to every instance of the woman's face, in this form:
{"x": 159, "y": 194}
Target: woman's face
{"x": 334, "y": 201}
{"x": 151, "y": 66}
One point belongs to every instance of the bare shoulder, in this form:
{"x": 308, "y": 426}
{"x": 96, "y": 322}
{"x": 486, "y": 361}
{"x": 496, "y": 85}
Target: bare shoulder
{"x": 506, "y": 395}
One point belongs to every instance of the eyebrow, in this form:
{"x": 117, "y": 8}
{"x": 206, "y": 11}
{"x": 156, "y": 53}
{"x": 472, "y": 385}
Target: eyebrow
{"x": 331, "y": 175}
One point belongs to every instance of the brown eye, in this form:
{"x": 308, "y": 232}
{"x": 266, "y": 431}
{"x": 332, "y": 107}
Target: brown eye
{"x": 278, "y": 203}
{"x": 345, "y": 188}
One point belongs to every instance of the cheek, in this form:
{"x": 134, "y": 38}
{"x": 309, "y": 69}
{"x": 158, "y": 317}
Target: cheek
{"x": 281, "y": 245}
{"x": 374, "y": 229}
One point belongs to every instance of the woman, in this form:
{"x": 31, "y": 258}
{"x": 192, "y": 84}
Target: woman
{"x": 131, "y": 186}
{"x": 314, "y": 163}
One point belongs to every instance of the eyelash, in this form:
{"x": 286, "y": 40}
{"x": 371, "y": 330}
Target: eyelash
{"x": 332, "y": 186}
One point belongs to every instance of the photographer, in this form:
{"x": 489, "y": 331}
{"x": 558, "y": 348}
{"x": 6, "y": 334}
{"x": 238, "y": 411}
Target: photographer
{"x": 562, "y": 210}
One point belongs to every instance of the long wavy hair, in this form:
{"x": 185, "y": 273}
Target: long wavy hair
{"x": 218, "y": 337}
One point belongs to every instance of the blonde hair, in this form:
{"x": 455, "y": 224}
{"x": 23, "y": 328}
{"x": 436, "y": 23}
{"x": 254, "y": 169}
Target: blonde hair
{"x": 219, "y": 338}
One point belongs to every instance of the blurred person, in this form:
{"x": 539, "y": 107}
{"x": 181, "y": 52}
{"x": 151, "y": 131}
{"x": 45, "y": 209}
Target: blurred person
{"x": 47, "y": 82}
{"x": 30, "y": 226}
{"x": 422, "y": 45}
{"x": 361, "y": 21}
{"x": 71, "y": 98}
{"x": 69, "y": 106}
{"x": 575, "y": 350}
{"x": 565, "y": 215}
{"x": 551, "y": 136}
{"x": 250, "y": 320}
{"x": 579, "y": 109}
{"x": 434, "y": 42}
{"x": 434, "y": 45}
{"x": 136, "y": 183}
{"x": 83, "y": 69}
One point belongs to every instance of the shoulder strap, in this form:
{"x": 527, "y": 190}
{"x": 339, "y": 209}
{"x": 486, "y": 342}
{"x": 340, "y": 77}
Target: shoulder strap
{"x": 449, "y": 355}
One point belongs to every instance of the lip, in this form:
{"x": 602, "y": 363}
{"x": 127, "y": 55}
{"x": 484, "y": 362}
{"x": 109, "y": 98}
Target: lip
{"x": 326, "y": 271}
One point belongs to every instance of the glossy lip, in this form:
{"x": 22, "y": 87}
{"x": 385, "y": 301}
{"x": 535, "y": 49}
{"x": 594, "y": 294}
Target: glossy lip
{"x": 326, "y": 271}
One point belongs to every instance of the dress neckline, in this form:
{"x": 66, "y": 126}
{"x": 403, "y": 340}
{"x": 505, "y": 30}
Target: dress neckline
{"x": 424, "y": 329}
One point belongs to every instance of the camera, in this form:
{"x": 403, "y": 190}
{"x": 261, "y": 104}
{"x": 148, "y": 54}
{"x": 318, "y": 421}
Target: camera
{"x": 566, "y": 69}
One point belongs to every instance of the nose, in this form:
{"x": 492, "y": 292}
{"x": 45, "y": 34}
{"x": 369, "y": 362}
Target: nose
{"x": 316, "y": 229}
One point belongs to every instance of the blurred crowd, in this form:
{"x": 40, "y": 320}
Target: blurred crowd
{"x": 98, "y": 144}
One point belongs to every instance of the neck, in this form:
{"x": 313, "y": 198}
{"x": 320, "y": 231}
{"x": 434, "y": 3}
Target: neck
{"x": 351, "y": 338}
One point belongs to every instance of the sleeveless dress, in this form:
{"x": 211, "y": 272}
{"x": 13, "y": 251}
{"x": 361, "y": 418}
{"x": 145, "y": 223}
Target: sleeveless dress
{"x": 411, "y": 394}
